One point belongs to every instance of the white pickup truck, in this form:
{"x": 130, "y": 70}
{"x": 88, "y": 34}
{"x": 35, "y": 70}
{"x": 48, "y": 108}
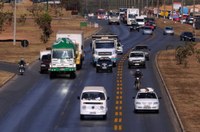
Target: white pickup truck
{"x": 136, "y": 58}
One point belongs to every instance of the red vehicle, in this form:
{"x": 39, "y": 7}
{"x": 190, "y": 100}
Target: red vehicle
{"x": 151, "y": 25}
{"x": 101, "y": 14}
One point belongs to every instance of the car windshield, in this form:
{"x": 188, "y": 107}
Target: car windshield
{"x": 104, "y": 61}
{"x": 93, "y": 96}
{"x": 146, "y": 95}
{"x": 188, "y": 34}
{"x": 147, "y": 28}
{"x": 169, "y": 28}
{"x": 114, "y": 14}
{"x": 46, "y": 57}
{"x": 140, "y": 47}
{"x": 136, "y": 55}
{"x": 104, "y": 45}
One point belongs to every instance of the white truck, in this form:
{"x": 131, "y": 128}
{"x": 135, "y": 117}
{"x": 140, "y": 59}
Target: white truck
{"x": 131, "y": 14}
{"x": 141, "y": 20}
{"x": 77, "y": 37}
{"x": 106, "y": 45}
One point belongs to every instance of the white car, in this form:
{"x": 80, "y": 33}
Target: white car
{"x": 93, "y": 102}
{"x": 168, "y": 30}
{"x": 136, "y": 59}
{"x": 147, "y": 30}
{"x": 146, "y": 100}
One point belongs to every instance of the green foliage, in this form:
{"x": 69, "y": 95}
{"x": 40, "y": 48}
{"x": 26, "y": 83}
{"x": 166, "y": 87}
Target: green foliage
{"x": 44, "y": 22}
{"x": 198, "y": 55}
{"x": 182, "y": 52}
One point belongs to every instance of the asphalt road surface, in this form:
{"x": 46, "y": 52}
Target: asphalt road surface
{"x": 34, "y": 103}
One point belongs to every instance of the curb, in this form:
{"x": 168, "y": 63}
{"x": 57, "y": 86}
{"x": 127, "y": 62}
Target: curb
{"x": 168, "y": 94}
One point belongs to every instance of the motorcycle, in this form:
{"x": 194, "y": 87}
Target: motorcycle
{"x": 137, "y": 83}
{"x": 21, "y": 69}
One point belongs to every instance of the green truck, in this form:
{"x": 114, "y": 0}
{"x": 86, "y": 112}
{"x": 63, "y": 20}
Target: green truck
{"x": 63, "y": 58}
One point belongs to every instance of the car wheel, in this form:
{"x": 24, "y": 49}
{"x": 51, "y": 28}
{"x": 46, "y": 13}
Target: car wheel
{"x": 97, "y": 70}
{"x": 82, "y": 117}
{"x": 136, "y": 111}
{"x": 111, "y": 70}
{"x": 105, "y": 117}
{"x": 51, "y": 75}
{"x": 129, "y": 66}
{"x": 180, "y": 39}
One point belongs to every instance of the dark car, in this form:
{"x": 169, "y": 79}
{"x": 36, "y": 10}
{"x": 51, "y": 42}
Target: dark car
{"x": 143, "y": 48}
{"x": 44, "y": 65}
{"x": 104, "y": 64}
{"x": 134, "y": 27}
{"x": 187, "y": 36}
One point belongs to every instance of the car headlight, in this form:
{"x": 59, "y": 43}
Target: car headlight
{"x": 43, "y": 65}
{"x": 137, "y": 103}
{"x": 83, "y": 107}
{"x": 155, "y": 103}
{"x": 97, "y": 65}
{"x": 101, "y": 107}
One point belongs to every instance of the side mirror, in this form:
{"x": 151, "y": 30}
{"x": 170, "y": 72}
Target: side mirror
{"x": 78, "y": 97}
{"x": 108, "y": 98}
{"x": 133, "y": 97}
{"x": 159, "y": 97}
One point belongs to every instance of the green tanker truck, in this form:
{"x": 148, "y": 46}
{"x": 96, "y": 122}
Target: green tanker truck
{"x": 63, "y": 58}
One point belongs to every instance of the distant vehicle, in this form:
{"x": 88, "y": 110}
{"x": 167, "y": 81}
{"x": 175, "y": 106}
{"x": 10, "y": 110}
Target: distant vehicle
{"x": 101, "y": 14}
{"x": 104, "y": 64}
{"x": 190, "y": 20}
{"x": 113, "y": 18}
{"x": 131, "y": 15}
{"x": 187, "y": 36}
{"x": 146, "y": 100}
{"x": 143, "y": 48}
{"x": 135, "y": 27}
{"x": 136, "y": 59}
{"x": 44, "y": 65}
{"x": 140, "y": 20}
{"x": 147, "y": 30}
{"x": 168, "y": 30}
{"x": 150, "y": 25}
{"x": 93, "y": 102}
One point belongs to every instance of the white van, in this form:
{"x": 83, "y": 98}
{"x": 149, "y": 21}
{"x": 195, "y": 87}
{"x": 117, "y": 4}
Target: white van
{"x": 93, "y": 102}
{"x": 141, "y": 20}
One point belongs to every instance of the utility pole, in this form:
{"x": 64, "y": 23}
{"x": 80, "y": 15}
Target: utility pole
{"x": 164, "y": 9}
{"x": 157, "y": 7}
{"x": 194, "y": 2}
{"x": 14, "y": 28}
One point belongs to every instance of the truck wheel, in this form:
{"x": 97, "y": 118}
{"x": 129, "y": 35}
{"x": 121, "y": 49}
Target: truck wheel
{"x": 51, "y": 75}
{"x": 81, "y": 117}
{"x": 73, "y": 75}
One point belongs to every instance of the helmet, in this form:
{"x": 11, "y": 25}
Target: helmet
{"x": 138, "y": 70}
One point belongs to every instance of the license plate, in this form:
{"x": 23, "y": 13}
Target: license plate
{"x": 104, "y": 67}
{"x": 93, "y": 113}
{"x": 147, "y": 107}
{"x": 137, "y": 64}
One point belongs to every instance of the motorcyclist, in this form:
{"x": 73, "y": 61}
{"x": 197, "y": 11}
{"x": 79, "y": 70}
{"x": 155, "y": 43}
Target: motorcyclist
{"x": 22, "y": 62}
{"x": 138, "y": 73}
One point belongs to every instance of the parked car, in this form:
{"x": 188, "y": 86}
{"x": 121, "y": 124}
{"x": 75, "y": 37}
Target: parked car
{"x": 147, "y": 30}
{"x": 104, "y": 64}
{"x": 168, "y": 30}
{"x": 187, "y": 36}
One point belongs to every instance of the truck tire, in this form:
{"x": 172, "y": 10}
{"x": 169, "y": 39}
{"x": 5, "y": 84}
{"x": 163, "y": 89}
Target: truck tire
{"x": 73, "y": 75}
{"x": 51, "y": 75}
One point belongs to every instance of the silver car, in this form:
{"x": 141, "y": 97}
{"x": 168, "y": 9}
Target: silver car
{"x": 168, "y": 30}
{"x": 147, "y": 30}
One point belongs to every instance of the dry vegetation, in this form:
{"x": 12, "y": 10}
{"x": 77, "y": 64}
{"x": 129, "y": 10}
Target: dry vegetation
{"x": 182, "y": 82}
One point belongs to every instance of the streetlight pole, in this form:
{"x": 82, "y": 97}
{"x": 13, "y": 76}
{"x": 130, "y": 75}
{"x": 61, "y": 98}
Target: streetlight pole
{"x": 193, "y": 17}
{"x": 14, "y": 30}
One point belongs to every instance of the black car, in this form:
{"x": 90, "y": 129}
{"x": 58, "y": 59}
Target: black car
{"x": 134, "y": 27}
{"x": 143, "y": 48}
{"x": 44, "y": 65}
{"x": 104, "y": 64}
{"x": 187, "y": 36}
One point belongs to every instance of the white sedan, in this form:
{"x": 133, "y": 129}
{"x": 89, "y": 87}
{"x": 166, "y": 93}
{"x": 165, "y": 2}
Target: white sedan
{"x": 146, "y": 100}
{"x": 147, "y": 30}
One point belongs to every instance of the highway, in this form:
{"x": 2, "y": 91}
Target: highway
{"x": 33, "y": 102}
